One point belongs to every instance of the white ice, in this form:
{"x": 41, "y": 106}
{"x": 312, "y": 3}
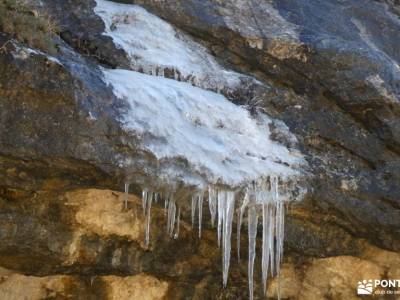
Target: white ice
{"x": 153, "y": 46}
{"x": 194, "y": 202}
{"x": 126, "y": 195}
{"x": 178, "y": 223}
{"x": 148, "y": 217}
{"x": 200, "y": 202}
{"x": 265, "y": 245}
{"x": 226, "y": 234}
{"x": 221, "y": 211}
{"x": 171, "y": 217}
{"x": 240, "y": 220}
{"x": 212, "y": 203}
{"x": 221, "y": 141}
{"x": 252, "y": 228}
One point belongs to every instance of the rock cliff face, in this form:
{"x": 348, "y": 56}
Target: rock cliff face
{"x": 326, "y": 72}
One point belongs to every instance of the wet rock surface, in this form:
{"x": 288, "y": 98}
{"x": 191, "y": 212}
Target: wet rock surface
{"x": 329, "y": 70}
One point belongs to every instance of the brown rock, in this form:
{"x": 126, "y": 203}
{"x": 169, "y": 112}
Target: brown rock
{"x": 337, "y": 277}
{"x": 141, "y": 286}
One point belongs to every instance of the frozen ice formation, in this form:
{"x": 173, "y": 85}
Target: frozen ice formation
{"x": 261, "y": 200}
{"x": 197, "y": 137}
{"x": 157, "y": 48}
{"x": 221, "y": 142}
{"x": 227, "y": 150}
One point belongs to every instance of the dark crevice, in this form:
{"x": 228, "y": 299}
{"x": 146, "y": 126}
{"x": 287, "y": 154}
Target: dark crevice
{"x": 83, "y": 48}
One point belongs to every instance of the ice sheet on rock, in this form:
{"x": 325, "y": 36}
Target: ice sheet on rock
{"x": 217, "y": 144}
{"x": 222, "y": 142}
{"x": 154, "y": 46}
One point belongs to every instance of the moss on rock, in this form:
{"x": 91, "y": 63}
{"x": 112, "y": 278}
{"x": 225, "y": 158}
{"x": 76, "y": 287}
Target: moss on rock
{"x": 26, "y": 24}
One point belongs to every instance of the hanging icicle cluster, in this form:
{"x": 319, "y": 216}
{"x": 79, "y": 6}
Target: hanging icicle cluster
{"x": 197, "y": 201}
{"x": 260, "y": 199}
{"x": 263, "y": 197}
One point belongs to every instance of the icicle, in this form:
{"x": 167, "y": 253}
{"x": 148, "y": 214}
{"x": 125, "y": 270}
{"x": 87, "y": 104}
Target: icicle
{"x": 226, "y": 235}
{"x": 148, "y": 217}
{"x": 279, "y": 231}
{"x": 221, "y": 209}
{"x": 265, "y": 246}
{"x": 144, "y": 200}
{"x": 165, "y": 205}
{"x": 200, "y": 202}
{"x": 171, "y": 217}
{"x": 238, "y": 229}
{"x": 252, "y": 227}
{"x": 194, "y": 200}
{"x": 277, "y": 236}
{"x": 279, "y": 242}
{"x": 168, "y": 218}
{"x": 281, "y": 236}
{"x": 263, "y": 194}
{"x": 271, "y": 237}
{"x": 240, "y": 220}
{"x": 126, "y": 195}
{"x": 178, "y": 223}
{"x": 156, "y": 197}
{"x": 279, "y": 227}
{"x": 212, "y": 203}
